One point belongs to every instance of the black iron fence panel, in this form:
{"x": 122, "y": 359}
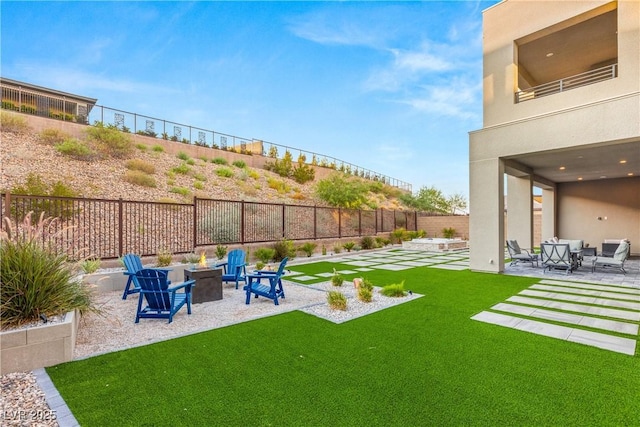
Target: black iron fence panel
{"x": 368, "y": 223}
{"x": 218, "y": 222}
{"x": 349, "y": 222}
{"x": 299, "y": 222}
{"x": 387, "y": 221}
{"x": 327, "y": 223}
{"x": 150, "y": 228}
{"x": 263, "y": 222}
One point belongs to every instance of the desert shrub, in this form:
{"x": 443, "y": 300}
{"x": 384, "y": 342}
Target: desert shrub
{"x": 416, "y": 234}
{"x": 140, "y": 165}
{"x": 298, "y": 196}
{"x": 53, "y": 136}
{"x": 219, "y": 161}
{"x": 224, "y": 172}
{"x": 140, "y": 178}
{"x": 239, "y": 164}
{"x": 303, "y": 172}
{"x": 337, "y": 249}
{"x": 349, "y": 245}
{"x": 36, "y": 279}
{"x": 34, "y": 185}
{"x": 394, "y": 290}
{"x": 337, "y": 279}
{"x": 199, "y": 177}
{"x": 182, "y": 155}
{"x": 253, "y": 174}
{"x": 337, "y": 300}
{"x": 13, "y": 123}
{"x": 142, "y": 147}
{"x": 222, "y": 223}
{"x": 180, "y": 190}
{"x": 158, "y": 148}
{"x": 365, "y": 295}
{"x": 399, "y": 235}
{"x": 198, "y": 185}
{"x": 190, "y": 162}
{"x": 265, "y": 254}
{"x": 191, "y": 259}
{"x": 283, "y": 167}
{"x": 260, "y": 265}
{"x": 110, "y": 141}
{"x": 284, "y": 248}
{"x": 221, "y": 251}
{"x": 308, "y": 248}
{"x": 382, "y": 241}
{"x": 449, "y": 232}
{"x": 279, "y": 185}
{"x": 90, "y": 265}
{"x": 76, "y": 149}
{"x": 342, "y": 191}
{"x": 367, "y": 242}
{"x": 164, "y": 258}
{"x": 367, "y": 284}
{"x": 182, "y": 169}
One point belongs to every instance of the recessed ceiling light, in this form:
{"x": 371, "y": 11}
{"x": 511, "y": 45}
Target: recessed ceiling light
{"x": 603, "y": 176}
{"x": 562, "y": 168}
{"x": 579, "y": 178}
{"x": 549, "y": 55}
{"x": 630, "y": 174}
{"x": 622, "y": 162}
{"x": 581, "y": 157}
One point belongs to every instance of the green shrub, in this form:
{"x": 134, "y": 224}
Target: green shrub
{"x": 337, "y": 249}
{"x": 303, "y": 172}
{"x": 181, "y": 169}
{"x": 221, "y": 251}
{"x": 382, "y": 241}
{"x": 337, "y": 279}
{"x": 53, "y": 136}
{"x": 180, "y": 190}
{"x": 367, "y": 284}
{"x": 283, "y": 167}
{"x": 190, "y": 162}
{"x": 164, "y": 258}
{"x": 219, "y": 161}
{"x": 324, "y": 250}
{"x": 199, "y": 177}
{"x": 90, "y": 265}
{"x": 158, "y": 148}
{"x": 398, "y": 235}
{"x": 367, "y": 242}
{"x": 337, "y": 300}
{"x": 13, "y": 123}
{"x": 142, "y": 147}
{"x": 36, "y": 279}
{"x": 140, "y": 165}
{"x": 253, "y": 174}
{"x": 239, "y": 164}
{"x": 182, "y": 155}
{"x": 191, "y": 259}
{"x": 110, "y": 141}
{"x": 76, "y": 149}
{"x": 279, "y": 185}
{"x": 265, "y": 254}
{"x": 394, "y": 290}
{"x": 260, "y": 265}
{"x": 449, "y": 232}
{"x": 349, "y": 245}
{"x": 35, "y": 186}
{"x": 308, "y": 248}
{"x": 364, "y": 294}
{"x": 284, "y": 248}
{"x": 140, "y": 178}
{"x": 224, "y": 172}
{"x": 198, "y": 185}
{"x": 342, "y": 191}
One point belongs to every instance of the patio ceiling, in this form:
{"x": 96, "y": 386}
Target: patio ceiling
{"x": 584, "y": 163}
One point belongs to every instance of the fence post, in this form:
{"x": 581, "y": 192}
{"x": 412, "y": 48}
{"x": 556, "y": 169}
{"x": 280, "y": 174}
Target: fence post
{"x": 340, "y": 223}
{"x": 382, "y": 219}
{"x": 360, "y": 222}
{"x": 195, "y": 222}
{"x": 415, "y": 220}
{"x": 120, "y": 228}
{"x": 7, "y": 205}
{"x": 315, "y": 222}
{"x": 283, "y": 221}
{"x": 242, "y": 230}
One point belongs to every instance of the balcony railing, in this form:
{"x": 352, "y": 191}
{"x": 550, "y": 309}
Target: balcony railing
{"x": 562, "y": 85}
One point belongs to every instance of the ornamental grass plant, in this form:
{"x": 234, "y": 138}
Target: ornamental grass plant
{"x": 36, "y": 279}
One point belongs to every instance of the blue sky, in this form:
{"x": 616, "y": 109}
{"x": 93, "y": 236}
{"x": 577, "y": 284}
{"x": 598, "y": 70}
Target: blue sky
{"x": 394, "y": 87}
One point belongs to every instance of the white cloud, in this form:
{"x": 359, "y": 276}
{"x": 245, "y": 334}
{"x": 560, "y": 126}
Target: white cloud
{"x": 457, "y": 98}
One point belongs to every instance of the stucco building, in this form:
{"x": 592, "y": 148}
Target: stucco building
{"x": 561, "y": 82}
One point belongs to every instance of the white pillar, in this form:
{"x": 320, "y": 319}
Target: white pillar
{"x": 548, "y": 214}
{"x": 520, "y": 210}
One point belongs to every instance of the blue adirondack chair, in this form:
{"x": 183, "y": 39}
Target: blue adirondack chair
{"x": 162, "y": 301}
{"x": 273, "y": 290}
{"x": 234, "y": 269}
{"x": 133, "y": 264}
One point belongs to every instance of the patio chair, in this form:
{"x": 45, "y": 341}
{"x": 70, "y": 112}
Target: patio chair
{"x": 234, "y": 269}
{"x": 557, "y": 256}
{"x": 273, "y": 290}
{"x": 517, "y": 254}
{"x": 133, "y": 264}
{"x": 617, "y": 261}
{"x": 162, "y": 301}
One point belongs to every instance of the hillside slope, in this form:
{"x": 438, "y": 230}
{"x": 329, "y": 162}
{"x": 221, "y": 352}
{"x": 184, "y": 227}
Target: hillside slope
{"x": 26, "y": 153}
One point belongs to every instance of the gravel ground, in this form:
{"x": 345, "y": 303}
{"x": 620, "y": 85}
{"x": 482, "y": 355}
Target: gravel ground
{"x": 22, "y": 402}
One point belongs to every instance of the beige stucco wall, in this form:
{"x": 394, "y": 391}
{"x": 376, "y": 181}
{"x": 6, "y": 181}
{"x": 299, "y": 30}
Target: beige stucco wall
{"x": 433, "y": 225}
{"x": 582, "y": 203}
{"x": 602, "y": 114}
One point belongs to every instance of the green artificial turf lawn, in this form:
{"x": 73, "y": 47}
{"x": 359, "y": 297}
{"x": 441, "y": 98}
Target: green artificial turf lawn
{"x": 420, "y": 363}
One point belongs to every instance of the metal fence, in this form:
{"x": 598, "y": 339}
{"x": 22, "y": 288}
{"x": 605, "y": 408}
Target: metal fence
{"x": 110, "y": 228}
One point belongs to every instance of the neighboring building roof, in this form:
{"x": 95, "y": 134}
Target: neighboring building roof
{"x": 44, "y": 90}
